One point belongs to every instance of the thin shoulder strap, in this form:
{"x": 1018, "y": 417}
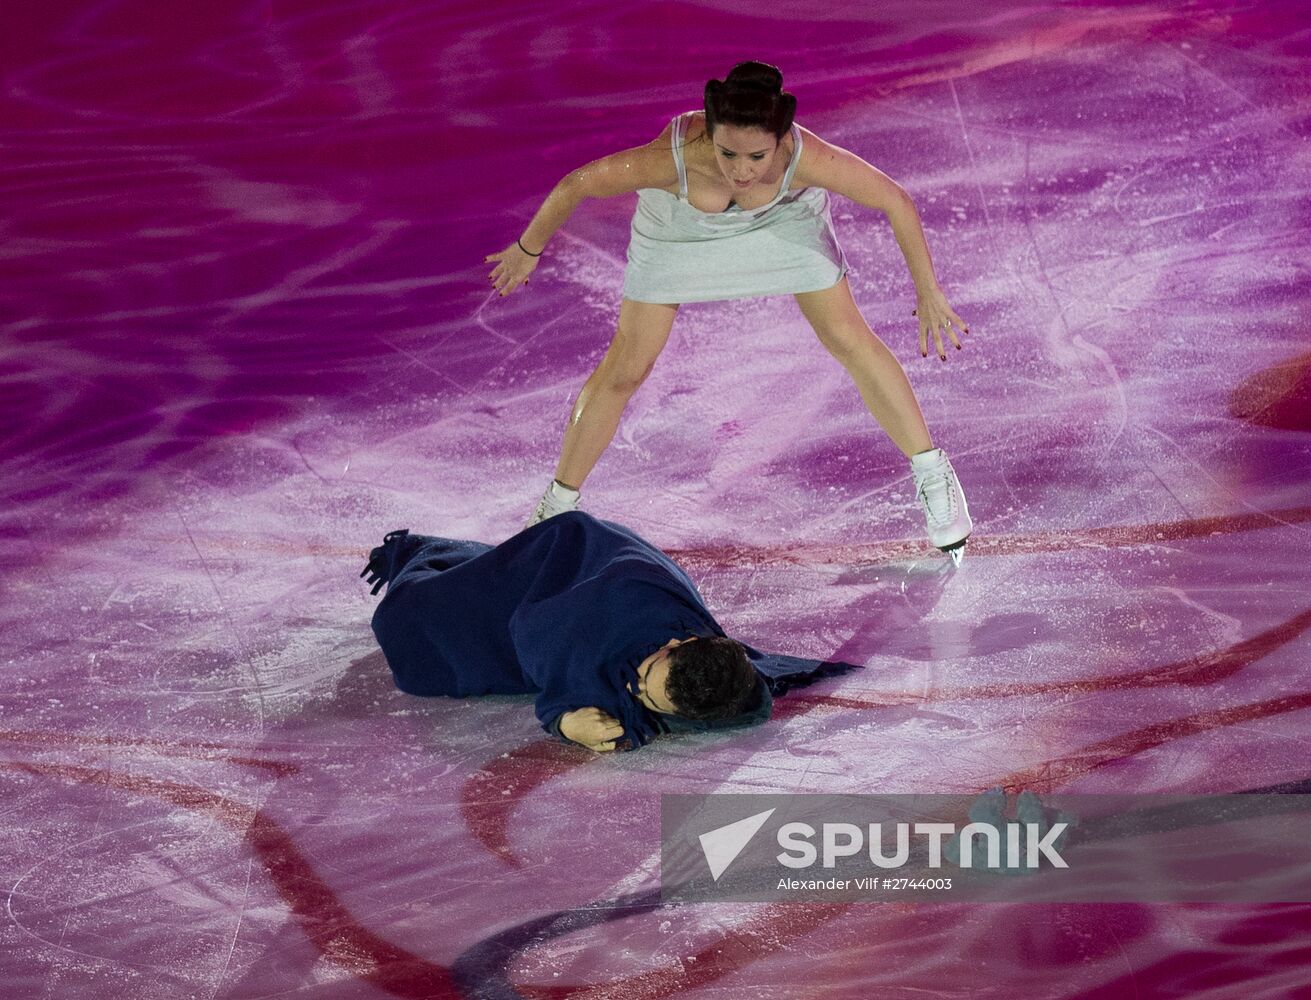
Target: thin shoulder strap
{"x": 680, "y": 126}
{"x": 796, "y": 158}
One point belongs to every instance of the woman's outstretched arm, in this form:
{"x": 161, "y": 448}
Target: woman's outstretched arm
{"x": 628, "y": 170}
{"x": 843, "y": 172}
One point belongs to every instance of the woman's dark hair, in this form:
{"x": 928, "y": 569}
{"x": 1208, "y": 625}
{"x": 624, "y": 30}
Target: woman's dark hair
{"x": 711, "y": 678}
{"x": 751, "y": 96}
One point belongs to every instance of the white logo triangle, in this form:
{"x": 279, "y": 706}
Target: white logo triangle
{"x": 721, "y": 846}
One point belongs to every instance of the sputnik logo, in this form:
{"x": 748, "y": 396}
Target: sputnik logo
{"x": 722, "y": 845}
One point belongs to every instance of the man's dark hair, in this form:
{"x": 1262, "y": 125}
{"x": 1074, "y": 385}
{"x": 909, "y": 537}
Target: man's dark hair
{"x": 711, "y": 678}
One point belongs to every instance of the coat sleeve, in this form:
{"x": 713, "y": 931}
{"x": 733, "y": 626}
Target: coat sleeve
{"x": 550, "y": 710}
{"x": 553, "y": 727}
{"x": 782, "y": 673}
{"x": 400, "y": 549}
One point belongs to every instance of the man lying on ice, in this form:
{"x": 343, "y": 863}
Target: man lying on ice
{"x": 609, "y": 634}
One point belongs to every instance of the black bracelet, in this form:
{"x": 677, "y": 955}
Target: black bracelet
{"x": 529, "y": 252}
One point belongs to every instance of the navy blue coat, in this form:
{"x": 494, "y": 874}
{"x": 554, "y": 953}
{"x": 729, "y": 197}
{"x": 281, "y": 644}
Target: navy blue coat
{"x": 565, "y": 610}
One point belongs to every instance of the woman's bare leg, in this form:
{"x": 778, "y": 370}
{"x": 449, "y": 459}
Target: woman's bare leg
{"x": 877, "y": 373}
{"x": 641, "y": 336}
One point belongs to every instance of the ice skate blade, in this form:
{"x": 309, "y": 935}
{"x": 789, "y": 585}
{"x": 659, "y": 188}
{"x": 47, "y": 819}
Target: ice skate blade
{"x": 957, "y": 552}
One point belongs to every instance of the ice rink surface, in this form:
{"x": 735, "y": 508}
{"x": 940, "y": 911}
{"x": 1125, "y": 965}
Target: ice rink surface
{"x": 247, "y": 330}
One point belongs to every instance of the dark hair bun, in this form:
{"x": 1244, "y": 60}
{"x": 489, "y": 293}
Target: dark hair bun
{"x": 751, "y": 96}
{"x": 755, "y": 76}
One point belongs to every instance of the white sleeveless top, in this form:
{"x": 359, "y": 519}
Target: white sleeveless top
{"x": 678, "y": 253}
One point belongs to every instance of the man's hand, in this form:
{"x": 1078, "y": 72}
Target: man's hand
{"x": 591, "y": 727}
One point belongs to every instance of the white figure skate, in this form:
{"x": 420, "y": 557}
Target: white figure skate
{"x": 945, "y": 512}
{"x": 556, "y": 500}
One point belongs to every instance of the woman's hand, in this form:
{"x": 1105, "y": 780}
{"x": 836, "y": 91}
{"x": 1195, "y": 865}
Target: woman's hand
{"x": 936, "y": 315}
{"x": 512, "y": 268}
{"x": 591, "y": 727}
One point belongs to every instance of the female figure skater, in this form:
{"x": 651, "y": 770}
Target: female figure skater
{"x": 741, "y": 209}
